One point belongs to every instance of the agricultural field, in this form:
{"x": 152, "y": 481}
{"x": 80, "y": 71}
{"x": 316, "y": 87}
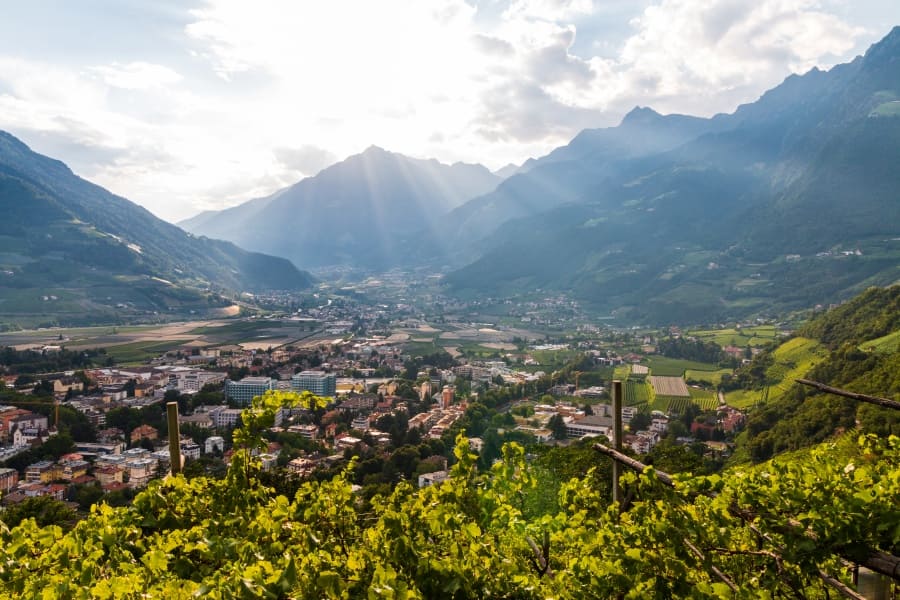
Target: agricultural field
{"x": 669, "y": 386}
{"x": 637, "y": 393}
{"x": 886, "y": 344}
{"x": 705, "y": 399}
{"x": 793, "y": 359}
{"x": 139, "y": 352}
{"x": 755, "y": 336}
{"x": 675, "y": 367}
{"x": 621, "y": 372}
{"x": 743, "y": 399}
{"x": 671, "y": 404}
{"x": 713, "y": 378}
{"x": 137, "y": 344}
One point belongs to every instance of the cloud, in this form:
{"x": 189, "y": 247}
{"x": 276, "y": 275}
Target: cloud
{"x": 137, "y": 75}
{"x": 248, "y": 97}
{"x": 307, "y": 159}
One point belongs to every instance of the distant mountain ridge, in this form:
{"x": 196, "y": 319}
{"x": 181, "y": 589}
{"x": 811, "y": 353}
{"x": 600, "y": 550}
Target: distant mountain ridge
{"x": 63, "y": 237}
{"x": 361, "y": 211}
{"x": 756, "y": 212}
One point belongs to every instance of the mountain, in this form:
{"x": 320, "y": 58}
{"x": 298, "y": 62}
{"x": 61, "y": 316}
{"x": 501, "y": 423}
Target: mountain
{"x": 361, "y": 211}
{"x": 573, "y": 170}
{"x": 71, "y": 250}
{"x": 787, "y": 202}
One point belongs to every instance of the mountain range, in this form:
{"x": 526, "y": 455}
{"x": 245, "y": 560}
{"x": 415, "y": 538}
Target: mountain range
{"x": 789, "y": 201}
{"x": 359, "y": 212}
{"x": 71, "y": 252}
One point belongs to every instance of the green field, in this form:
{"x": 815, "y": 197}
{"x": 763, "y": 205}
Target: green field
{"x": 886, "y": 344}
{"x": 713, "y": 378}
{"x": 793, "y": 359}
{"x": 621, "y": 372}
{"x": 138, "y": 352}
{"x": 743, "y": 399}
{"x": 675, "y": 367}
{"x": 755, "y": 336}
{"x": 705, "y": 399}
{"x": 637, "y": 392}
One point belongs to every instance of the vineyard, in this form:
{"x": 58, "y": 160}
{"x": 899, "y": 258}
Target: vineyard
{"x": 705, "y": 399}
{"x": 787, "y": 529}
{"x": 793, "y": 359}
{"x": 637, "y": 392}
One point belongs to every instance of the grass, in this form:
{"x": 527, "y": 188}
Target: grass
{"x": 743, "y": 399}
{"x": 755, "y": 336}
{"x": 676, "y": 367}
{"x": 705, "y": 399}
{"x": 138, "y": 352}
{"x": 884, "y": 344}
{"x": 793, "y": 359}
{"x": 713, "y": 378}
{"x": 636, "y": 392}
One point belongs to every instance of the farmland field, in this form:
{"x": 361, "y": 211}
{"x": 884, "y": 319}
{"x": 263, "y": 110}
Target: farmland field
{"x": 705, "y": 399}
{"x": 713, "y": 378}
{"x": 756, "y": 336}
{"x": 675, "y": 367}
{"x": 636, "y": 392}
{"x": 743, "y": 399}
{"x": 793, "y": 359}
{"x": 885, "y": 344}
{"x": 669, "y": 386}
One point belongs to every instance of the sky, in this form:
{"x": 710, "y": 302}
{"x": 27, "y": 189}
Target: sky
{"x": 191, "y": 105}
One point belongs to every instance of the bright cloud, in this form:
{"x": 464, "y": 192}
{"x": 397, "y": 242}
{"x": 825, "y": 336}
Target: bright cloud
{"x": 250, "y": 97}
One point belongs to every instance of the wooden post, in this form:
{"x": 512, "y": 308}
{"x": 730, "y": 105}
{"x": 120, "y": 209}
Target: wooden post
{"x": 617, "y": 437}
{"x": 174, "y": 438}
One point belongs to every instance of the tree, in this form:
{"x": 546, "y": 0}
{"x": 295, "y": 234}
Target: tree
{"x": 45, "y": 510}
{"x": 558, "y": 426}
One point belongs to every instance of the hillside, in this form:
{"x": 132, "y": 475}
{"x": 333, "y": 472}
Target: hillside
{"x": 762, "y": 211}
{"x": 371, "y": 210}
{"x": 72, "y": 252}
{"x": 833, "y": 349}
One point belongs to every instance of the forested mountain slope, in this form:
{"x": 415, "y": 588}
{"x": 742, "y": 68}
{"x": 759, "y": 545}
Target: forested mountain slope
{"x": 72, "y": 250}
{"x": 802, "y": 416}
{"x": 788, "y": 202}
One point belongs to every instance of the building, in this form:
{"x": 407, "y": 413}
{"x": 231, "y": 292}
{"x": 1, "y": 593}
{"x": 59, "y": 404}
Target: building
{"x": 143, "y": 432}
{"x": 109, "y": 474}
{"x": 427, "y": 479}
{"x": 189, "y": 449}
{"x": 310, "y": 432}
{"x": 447, "y": 394}
{"x": 44, "y": 471}
{"x": 213, "y": 443}
{"x": 589, "y": 426}
{"x": 224, "y": 417}
{"x": 244, "y": 391}
{"x": 317, "y": 382}
{"x": 193, "y": 380}
{"x": 9, "y": 478}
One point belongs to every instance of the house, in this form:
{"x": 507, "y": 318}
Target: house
{"x": 9, "y": 478}
{"x": 73, "y": 468}
{"x": 108, "y": 474}
{"x": 302, "y": 467}
{"x": 140, "y": 471}
{"x": 310, "y": 432}
{"x": 189, "y": 449}
{"x": 143, "y": 432}
{"x": 43, "y": 471}
{"x": 214, "y": 443}
{"x": 428, "y": 479}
